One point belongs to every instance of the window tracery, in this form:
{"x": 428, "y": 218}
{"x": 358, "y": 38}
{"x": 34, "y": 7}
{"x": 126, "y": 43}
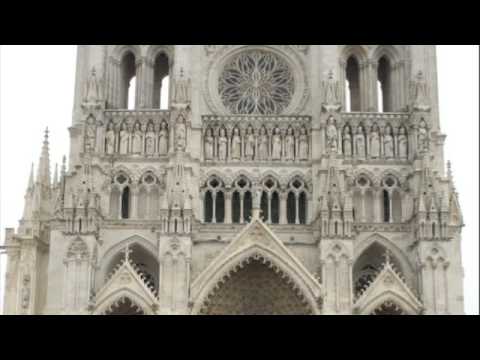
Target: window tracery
{"x": 256, "y": 82}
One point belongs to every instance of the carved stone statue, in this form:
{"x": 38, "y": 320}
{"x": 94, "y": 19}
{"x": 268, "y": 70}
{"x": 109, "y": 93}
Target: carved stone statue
{"x": 90, "y": 134}
{"x": 163, "y": 139}
{"x": 137, "y": 139}
{"x": 124, "y": 139}
{"x": 110, "y": 140}
{"x": 150, "y": 140}
{"x": 303, "y": 145}
{"x": 276, "y": 145}
{"x": 331, "y": 94}
{"x": 420, "y": 93}
{"x": 422, "y": 138}
{"x": 290, "y": 145}
{"x": 347, "y": 142}
{"x": 402, "y": 144}
{"x": 375, "y": 143}
{"x": 209, "y": 144}
{"x": 388, "y": 143}
{"x": 332, "y": 136}
{"x": 250, "y": 144}
{"x": 26, "y": 292}
{"x": 360, "y": 143}
{"x": 263, "y": 145}
{"x": 182, "y": 90}
{"x": 236, "y": 150}
{"x": 92, "y": 88}
{"x": 180, "y": 134}
{"x": 222, "y": 145}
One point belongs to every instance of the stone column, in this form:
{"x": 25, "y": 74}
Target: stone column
{"x": 228, "y": 207}
{"x": 283, "y": 208}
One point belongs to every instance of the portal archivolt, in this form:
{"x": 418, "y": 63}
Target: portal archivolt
{"x": 256, "y": 288}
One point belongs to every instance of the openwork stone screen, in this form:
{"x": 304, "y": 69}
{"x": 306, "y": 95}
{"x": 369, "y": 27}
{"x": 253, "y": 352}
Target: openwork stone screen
{"x": 256, "y": 82}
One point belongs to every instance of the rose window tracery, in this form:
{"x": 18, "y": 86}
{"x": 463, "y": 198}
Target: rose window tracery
{"x": 256, "y": 82}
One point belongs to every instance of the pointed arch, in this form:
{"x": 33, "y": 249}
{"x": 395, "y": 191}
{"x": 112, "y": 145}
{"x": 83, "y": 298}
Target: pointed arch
{"x": 255, "y": 242}
{"x": 409, "y": 307}
{"x": 403, "y": 262}
{"x": 140, "y": 301}
{"x": 120, "y": 51}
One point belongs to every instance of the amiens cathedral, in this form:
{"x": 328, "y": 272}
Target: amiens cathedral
{"x": 244, "y": 180}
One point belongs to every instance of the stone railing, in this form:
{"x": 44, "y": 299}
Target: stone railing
{"x": 256, "y": 138}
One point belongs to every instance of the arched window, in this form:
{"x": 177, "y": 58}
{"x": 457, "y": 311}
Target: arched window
{"x": 391, "y": 200}
{"x": 264, "y": 206}
{"x": 386, "y": 206}
{"x": 353, "y": 84}
{"x": 208, "y": 207}
{"x": 242, "y": 200}
{"x": 126, "y": 203}
{"x": 128, "y": 72}
{"x": 220, "y": 207}
{"x": 385, "y": 96}
{"x": 236, "y": 210}
{"x": 275, "y": 208}
{"x": 214, "y": 201}
{"x": 161, "y": 83}
{"x": 291, "y": 208}
{"x": 247, "y": 206}
{"x": 369, "y": 264}
{"x": 270, "y": 203}
{"x": 297, "y": 202}
{"x": 302, "y": 204}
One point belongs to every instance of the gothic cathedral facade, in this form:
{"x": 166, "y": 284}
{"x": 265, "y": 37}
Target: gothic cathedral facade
{"x": 244, "y": 180}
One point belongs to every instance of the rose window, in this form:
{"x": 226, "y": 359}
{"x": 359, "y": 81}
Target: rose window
{"x": 256, "y": 82}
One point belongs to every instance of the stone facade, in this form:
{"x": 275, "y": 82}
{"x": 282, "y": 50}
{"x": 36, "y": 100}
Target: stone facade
{"x": 274, "y": 182}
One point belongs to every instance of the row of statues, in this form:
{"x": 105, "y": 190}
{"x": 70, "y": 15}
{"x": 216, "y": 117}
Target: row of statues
{"x": 138, "y": 141}
{"x": 287, "y": 145}
{"x": 373, "y": 144}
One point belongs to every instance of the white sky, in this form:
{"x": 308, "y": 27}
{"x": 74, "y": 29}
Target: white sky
{"x": 36, "y": 91}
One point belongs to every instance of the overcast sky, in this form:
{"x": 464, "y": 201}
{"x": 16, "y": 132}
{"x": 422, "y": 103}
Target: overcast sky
{"x": 36, "y": 91}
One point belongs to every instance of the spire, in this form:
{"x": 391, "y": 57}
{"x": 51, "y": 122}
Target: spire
{"x": 31, "y": 179}
{"x": 55, "y": 177}
{"x": 43, "y": 175}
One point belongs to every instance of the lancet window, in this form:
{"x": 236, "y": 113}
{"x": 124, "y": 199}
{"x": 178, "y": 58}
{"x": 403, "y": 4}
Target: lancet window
{"x": 297, "y": 202}
{"x": 214, "y": 202}
{"x": 377, "y": 204}
{"x": 120, "y": 197}
{"x": 242, "y": 201}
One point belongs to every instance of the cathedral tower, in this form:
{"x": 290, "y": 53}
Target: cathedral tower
{"x": 235, "y": 179}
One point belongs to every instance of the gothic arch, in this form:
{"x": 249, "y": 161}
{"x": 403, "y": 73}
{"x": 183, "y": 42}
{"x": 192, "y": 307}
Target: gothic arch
{"x": 242, "y": 174}
{"x": 111, "y": 253}
{"x": 392, "y": 53}
{"x": 119, "y": 51}
{"x": 123, "y": 169}
{"x": 390, "y": 296}
{"x": 405, "y": 264}
{"x": 230, "y": 265}
{"x": 122, "y": 293}
{"x": 214, "y": 174}
{"x": 358, "y": 51}
{"x": 273, "y": 175}
{"x": 154, "y": 50}
{"x": 256, "y": 241}
{"x": 374, "y": 181}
